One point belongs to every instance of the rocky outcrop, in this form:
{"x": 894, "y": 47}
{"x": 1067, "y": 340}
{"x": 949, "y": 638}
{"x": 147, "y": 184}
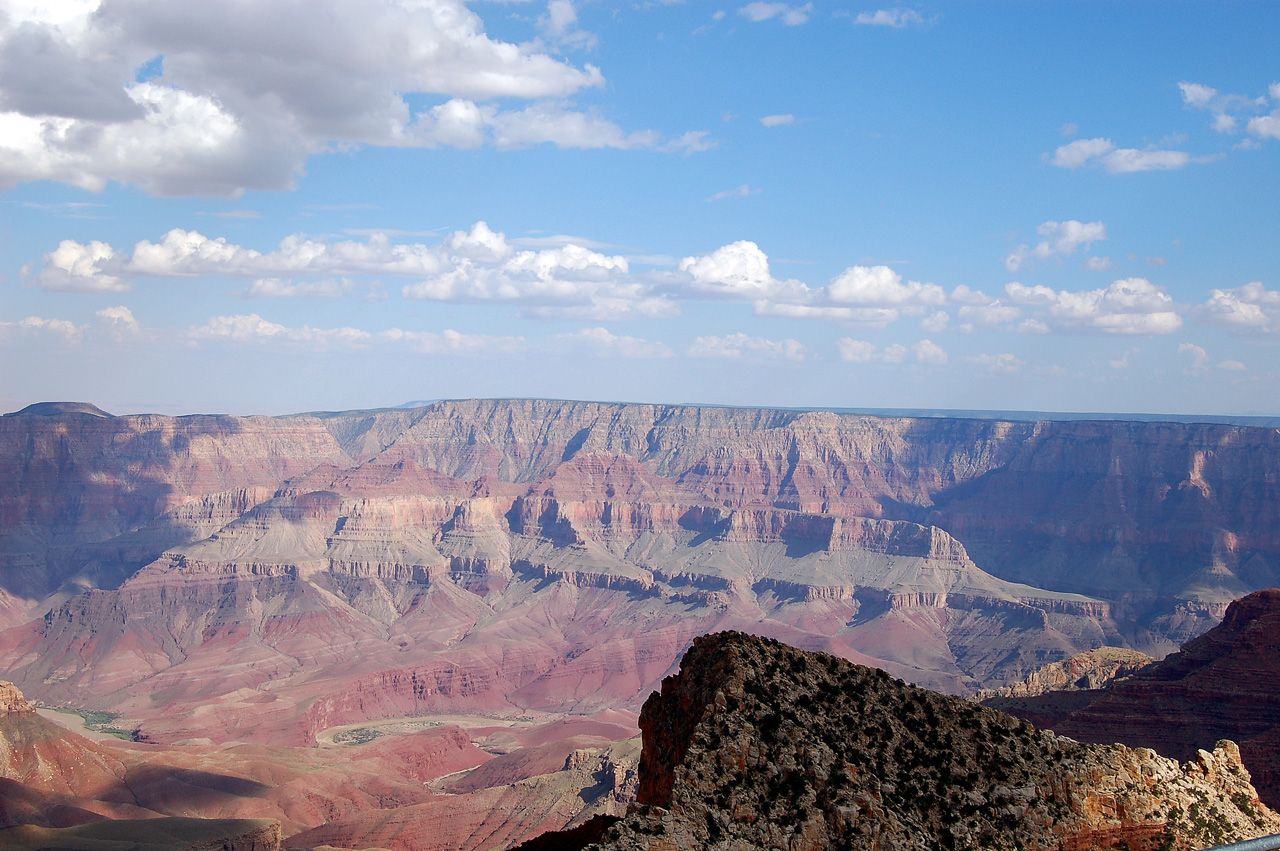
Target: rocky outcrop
{"x": 1088, "y": 671}
{"x": 758, "y": 745}
{"x": 1223, "y": 684}
{"x": 11, "y": 700}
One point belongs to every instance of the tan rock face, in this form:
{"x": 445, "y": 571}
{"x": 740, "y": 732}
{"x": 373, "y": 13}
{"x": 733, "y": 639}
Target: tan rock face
{"x": 757, "y": 745}
{"x": 11, "y": 700}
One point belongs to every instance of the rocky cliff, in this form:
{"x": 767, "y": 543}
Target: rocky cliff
{"x": 758, "y": 745}
{"x": 1224, "y": 684}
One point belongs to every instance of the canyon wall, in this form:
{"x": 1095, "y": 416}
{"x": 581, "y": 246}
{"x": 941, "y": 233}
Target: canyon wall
{"x": 512, "y": 555}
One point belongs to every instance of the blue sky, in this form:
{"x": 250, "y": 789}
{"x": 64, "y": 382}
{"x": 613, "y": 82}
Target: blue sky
{"x": 280, "y": 206}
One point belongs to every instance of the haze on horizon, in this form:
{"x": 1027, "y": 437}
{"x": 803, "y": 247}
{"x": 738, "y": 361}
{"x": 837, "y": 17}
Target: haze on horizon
{"x": 272, "y": 209}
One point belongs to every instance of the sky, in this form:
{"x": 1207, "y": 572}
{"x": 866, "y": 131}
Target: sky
{"x": 288, "y": 205}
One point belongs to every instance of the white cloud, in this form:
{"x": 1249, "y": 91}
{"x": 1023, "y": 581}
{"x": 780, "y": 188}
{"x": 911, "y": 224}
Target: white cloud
{"x": 738, "y": 270}
{"x": 1199, "y": 357}
{"x": 789, "y": 15}
{"x": 894, "y": 353}
{"x": 1228, "y": 109}
{"x": 778, "y": 120}
{"x": 1097, "y": 264}
{"x": 279, "y": 288}
{"x": 1122, "y": 362}
{"x": 112, "y": 324}
{"x": 861, "y": 351}
{"x": 1077, "y": 153}
{"x": 73, "y": 267}
{"x": 246, "y": 92}
{"x": 568, "y": 281}
{"x": 889, "y": 18}
{"x": 1115, "y": 160}
{"x": 935, "y": 322}
{"x": 988, "y": 314}
{"x": 856, "y": 351}
{"x": 881, "y": 286}
{"x": 560, "y": 26}
{"x": 736, "y": 346}
{"x": 1004, "y": 362}
{"x": 1129, "y": 306}
{"x": 252, "y": 328}
{"x": 1249, "y": 308}
{"x": 1232, "y": 366}
{"x": 927, "y": 351}
{"x": 62, "y": 328}
{"x": 603, "y": 341}
{"x": 1194, "y": 94}
{"x": 743, "y": 191}
{"x": 871, "y": 317}
{"x": 1061, "y": 239}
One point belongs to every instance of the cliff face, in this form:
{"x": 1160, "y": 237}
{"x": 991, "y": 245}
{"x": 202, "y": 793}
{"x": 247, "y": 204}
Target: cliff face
{"x": 201, "y": 555}
{"x": 757, "y": 745}
{"x": 1223, "y": 684}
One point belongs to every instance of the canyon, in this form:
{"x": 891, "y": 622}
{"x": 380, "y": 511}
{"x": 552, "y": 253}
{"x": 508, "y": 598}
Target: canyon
{"x": 254, "y": 588}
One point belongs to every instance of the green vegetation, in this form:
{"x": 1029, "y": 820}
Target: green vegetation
{"x": 102, "y": 722}
{"x": 358, "y": 736}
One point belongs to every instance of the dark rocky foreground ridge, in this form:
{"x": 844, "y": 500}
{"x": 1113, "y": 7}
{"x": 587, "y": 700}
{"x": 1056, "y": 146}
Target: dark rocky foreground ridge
{"x": 758, "y": 745}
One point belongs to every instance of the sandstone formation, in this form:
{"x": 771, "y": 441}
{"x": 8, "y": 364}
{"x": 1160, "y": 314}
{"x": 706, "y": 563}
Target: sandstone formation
{"x": 758, "y": 745}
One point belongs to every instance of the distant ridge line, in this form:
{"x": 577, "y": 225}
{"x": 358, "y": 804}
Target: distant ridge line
{"x": 1248, "y": 420}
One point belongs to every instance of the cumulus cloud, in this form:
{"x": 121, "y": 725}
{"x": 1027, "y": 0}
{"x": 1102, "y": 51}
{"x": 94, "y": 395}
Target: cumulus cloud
{"x": 1227, "y": 110}
{"x": 881, "y": 286}
{"x": 778, "y": 120}
{"x": 74, "y": 267}
{"x": 1249, "y": 308}
{"x": 476, "y": 265}
{"x": 1004, "y": 362}
{"x": 1199, "y": 357}
{"x": 1061, "y": 239}
{"x": 862, "y": 351}
{"x": 897, "y": 18}
{"x": 252, "y": 328}
{"x": 603, "y": 341}
{"x": 112, "y": 324}
{"x": 560, "y": 26}
{"x": 1129, "y": 306}
{"x": 743, "y": 191}
{"x": 789, "y": 15}
{"x": 280, "y": 288}
{"x": 742, "y": 346}
{"x": 738, "y": 270}
{"x": 1103, "y": 152}
{"x": 238, "y": 96}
